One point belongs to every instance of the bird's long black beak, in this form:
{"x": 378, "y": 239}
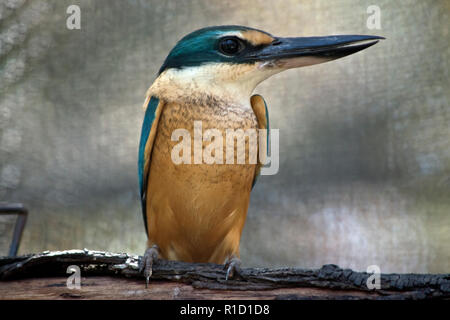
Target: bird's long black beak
{"x": 294, "y": 52}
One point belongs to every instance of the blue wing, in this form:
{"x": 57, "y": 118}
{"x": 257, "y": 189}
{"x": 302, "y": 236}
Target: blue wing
{"x": 148, "y": 134}
{"x": 259, "y": 107}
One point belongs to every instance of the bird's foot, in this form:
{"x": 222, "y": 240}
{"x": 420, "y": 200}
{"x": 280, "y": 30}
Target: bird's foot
{"x": 146, "y": 263}
{"x": 233, "y": 266}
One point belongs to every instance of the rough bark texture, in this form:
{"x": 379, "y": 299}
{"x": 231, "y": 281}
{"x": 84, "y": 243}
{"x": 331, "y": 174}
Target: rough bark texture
{"x": 116, "y": 276}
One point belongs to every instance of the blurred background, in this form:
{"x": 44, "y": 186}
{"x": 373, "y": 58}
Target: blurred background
{"x": 364, "y": 141}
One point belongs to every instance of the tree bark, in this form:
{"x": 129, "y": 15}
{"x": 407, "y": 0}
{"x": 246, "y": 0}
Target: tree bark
{"x": 116, "y": 276}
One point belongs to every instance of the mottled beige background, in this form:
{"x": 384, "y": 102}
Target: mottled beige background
{"x": 365, "y": 141}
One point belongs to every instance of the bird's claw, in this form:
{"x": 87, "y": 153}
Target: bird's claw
{"x": 233, "y": 266}
{"x": 146, "y": 263}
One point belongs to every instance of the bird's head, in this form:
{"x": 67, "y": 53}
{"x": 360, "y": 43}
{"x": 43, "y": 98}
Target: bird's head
{"x": 232, "y": 60}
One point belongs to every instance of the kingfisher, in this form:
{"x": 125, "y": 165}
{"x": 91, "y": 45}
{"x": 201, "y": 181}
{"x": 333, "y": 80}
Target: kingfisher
{"x": 195, "y": 212}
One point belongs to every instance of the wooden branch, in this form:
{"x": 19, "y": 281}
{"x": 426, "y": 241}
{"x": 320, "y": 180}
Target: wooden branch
{"x": 114, "y": 276}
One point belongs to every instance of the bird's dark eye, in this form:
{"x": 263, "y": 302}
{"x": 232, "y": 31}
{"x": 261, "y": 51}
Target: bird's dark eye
{"x": 230, "y": 46}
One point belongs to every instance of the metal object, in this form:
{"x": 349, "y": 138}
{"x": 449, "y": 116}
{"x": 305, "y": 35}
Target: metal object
{"x": 22, "y": 214}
